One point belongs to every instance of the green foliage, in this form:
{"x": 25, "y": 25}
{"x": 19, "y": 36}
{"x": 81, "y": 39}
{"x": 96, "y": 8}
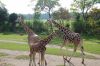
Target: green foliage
{"x": 3, "y": 19}
{"x": 94, "y": 20}
{"x": 39, "y": 27}
{"x": 78, "y": 25}
{"x": 83, "y": 6}
{"x": 12, "y": 22}
{"x": 37, "y": 15}
{"x": 46, "y": 5}
{"x": 41, "y": 4}
{"x": 61, "y": 14}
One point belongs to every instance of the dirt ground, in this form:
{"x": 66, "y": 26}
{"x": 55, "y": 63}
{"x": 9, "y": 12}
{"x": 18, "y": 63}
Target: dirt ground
{"x": 52, "y": 60}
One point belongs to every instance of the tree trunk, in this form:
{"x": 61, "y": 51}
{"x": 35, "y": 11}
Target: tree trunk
{"x": 51, "y": 27}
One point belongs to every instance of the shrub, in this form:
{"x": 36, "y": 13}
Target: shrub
{"x": 39, "y": 27}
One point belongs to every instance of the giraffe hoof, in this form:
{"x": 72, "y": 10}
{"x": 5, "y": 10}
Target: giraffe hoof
{"x": 82, "y": 62}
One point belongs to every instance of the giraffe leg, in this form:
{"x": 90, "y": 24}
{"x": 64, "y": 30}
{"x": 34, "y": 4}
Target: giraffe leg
{"x": 45, "y": 63}
{"x": 82, "y": 51}
{"x": 64, "y": 61}
{"x": 30, "y": 62}
{"x": 75, "y": 43}
{"x": 75, "y": 48}
{"x": 39, "y": 59}
{"x": 64, "y": 57}
{"x": 34, "y": 58}
{"x": 42, "y": 59}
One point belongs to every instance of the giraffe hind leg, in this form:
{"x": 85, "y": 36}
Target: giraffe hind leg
{"x": 75, "y": 48}
{"x": 82, "y": 51}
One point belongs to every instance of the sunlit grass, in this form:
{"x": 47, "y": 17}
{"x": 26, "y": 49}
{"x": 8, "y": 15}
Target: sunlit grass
{"x": 6, "y": 64}
{"x": 23, "y": 57}
{"x": 91, "y": 44}
{"x": 13, "y": 37}
{"x": 3, "y": 54}
{"x": 52, "y": 51}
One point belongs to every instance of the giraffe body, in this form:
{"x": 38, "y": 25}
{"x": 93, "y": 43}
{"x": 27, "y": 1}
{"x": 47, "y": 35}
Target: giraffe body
{"x": 40, "y": 47}
{"x": 33, "y": 38}
{"x": 70, "y": 37}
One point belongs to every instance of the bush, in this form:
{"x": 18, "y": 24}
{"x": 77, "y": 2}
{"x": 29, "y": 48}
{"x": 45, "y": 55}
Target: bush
{"x": 39, "y": 27}
{"x": 78, "y": 27}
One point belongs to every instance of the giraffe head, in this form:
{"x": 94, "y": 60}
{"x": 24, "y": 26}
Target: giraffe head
{"x": 50, "y": 21}
{"x": 20, "y": 19}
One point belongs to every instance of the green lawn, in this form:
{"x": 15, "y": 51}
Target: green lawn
{"x": 15, "y": 37}
{"x": 91, "y": 44}
{"x": 52, "y": 51}
{"x": 3, "y": 54}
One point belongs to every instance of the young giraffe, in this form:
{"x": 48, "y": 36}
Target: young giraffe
{"x": 40, "y": 47}
{"x": 72, "y": 37}
{"x": 33, "y": 38}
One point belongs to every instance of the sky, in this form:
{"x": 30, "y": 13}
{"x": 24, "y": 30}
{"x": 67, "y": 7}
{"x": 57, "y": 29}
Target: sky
{"x": 23, "y": 7}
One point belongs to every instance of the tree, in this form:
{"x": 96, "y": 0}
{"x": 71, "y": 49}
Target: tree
{"x": 61, "y": 14}
{"x": 47, "y": 5}
{"x": 83, "y": 6}
{"x": 94, "y": 20}
{"x": 3, "y": 18}
{"x": 12, "y": 21}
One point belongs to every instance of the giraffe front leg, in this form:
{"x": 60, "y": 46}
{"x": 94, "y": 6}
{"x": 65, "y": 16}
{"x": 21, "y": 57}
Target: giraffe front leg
{"x": 34, "y": 58}
{"x": 39, "y": 59}
{"x": 64, "y": 61}
{"x": 30, "y": 62}
{"x": 63, "y": 53}
{"x": 42, "y": 59}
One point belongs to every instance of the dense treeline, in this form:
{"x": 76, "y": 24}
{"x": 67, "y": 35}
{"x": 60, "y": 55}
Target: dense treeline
{"x": 87, "y": 21}
{"x": 73, "y": 21}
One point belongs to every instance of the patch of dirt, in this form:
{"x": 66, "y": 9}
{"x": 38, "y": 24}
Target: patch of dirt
{"x": 52, "y": 60}
{"x": 6, "y": 64}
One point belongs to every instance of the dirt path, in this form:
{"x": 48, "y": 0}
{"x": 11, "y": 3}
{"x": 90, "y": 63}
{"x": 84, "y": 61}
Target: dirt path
{"x": 52, "y": 60}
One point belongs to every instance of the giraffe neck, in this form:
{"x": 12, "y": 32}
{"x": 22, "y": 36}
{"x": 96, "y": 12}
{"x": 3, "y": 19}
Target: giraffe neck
{"x": 61, "y": 28}
{"x": 27, "y": 29}
{"x": 46, "y": 40}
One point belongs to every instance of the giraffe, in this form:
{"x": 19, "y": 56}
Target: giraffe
{"x": 33, "y": 38}
{"x": 70, "y": 37}
{"x": 40, "y": 47}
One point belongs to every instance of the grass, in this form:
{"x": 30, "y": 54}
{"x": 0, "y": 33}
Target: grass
{"x": 6, "y": 64}
{"x": 59, "y": 65}
{"x": 52, "y": 51}
{"x": 12, "y": 46}
{"x": 91, "y": 43}
{"x": 15, "y": 37}
{"x": 23, "y": 57}
{"x": 3, "y": 54}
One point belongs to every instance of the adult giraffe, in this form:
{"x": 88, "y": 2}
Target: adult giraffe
{"x": 33, "y": 38}
{"x": 70, "y": 37}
